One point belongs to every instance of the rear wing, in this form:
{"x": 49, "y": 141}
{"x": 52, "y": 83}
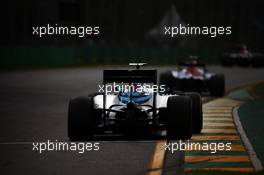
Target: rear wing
{"x": 130, "y": 76}
{"x": 137, "y": 65}
{"x": 187, "y": 64}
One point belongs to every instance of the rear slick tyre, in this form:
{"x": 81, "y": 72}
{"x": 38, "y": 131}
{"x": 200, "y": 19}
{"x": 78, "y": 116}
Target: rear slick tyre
{"x": 197, "y": 112}
{"x": 81, "y": 119}
{"x": 179, "y": 121}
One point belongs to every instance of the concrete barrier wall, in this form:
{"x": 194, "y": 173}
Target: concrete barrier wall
{"x": 47, "y": 56}
{"x": 151, "y": 55}
{"x": 36, "y": 56}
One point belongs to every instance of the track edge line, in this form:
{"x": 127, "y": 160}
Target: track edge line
{"x": 252, "y": 154}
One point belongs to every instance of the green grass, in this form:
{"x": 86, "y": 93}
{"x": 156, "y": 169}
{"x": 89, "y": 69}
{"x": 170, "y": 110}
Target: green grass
{"x": 212, "y": 172}
{"x": 257, "y": 90}
{"x": 47, "y": 67}
{"x": 253, "y": 123}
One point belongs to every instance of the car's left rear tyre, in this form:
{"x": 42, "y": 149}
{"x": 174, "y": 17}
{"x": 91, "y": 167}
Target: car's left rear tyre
{"x": 227, "y": 60}
{"x": 179, "y": 120}
{"x": 166, "y": 79}
{"x": 81, "y": 120}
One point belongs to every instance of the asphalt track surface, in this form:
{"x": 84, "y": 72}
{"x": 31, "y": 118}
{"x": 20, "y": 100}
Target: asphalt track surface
{"x": 33, "y": 108}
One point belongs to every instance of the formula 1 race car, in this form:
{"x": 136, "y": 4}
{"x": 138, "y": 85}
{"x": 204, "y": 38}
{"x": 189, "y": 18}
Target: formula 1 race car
{"x": 242, "y": 56}
{"x": 192, "y": 75}
{"x": 134, "y": 108}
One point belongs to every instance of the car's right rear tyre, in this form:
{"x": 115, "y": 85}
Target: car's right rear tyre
{"x": 179, "y": 120}
{"x": 81, "y": 120}
{"x": 217, "y": 85}
{"x": 244, "y": 62}
{"x": 197, "y": 112}
{"x": 258, "y": 61}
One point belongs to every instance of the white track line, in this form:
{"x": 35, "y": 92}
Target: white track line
{"x": 252, "y": 154}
